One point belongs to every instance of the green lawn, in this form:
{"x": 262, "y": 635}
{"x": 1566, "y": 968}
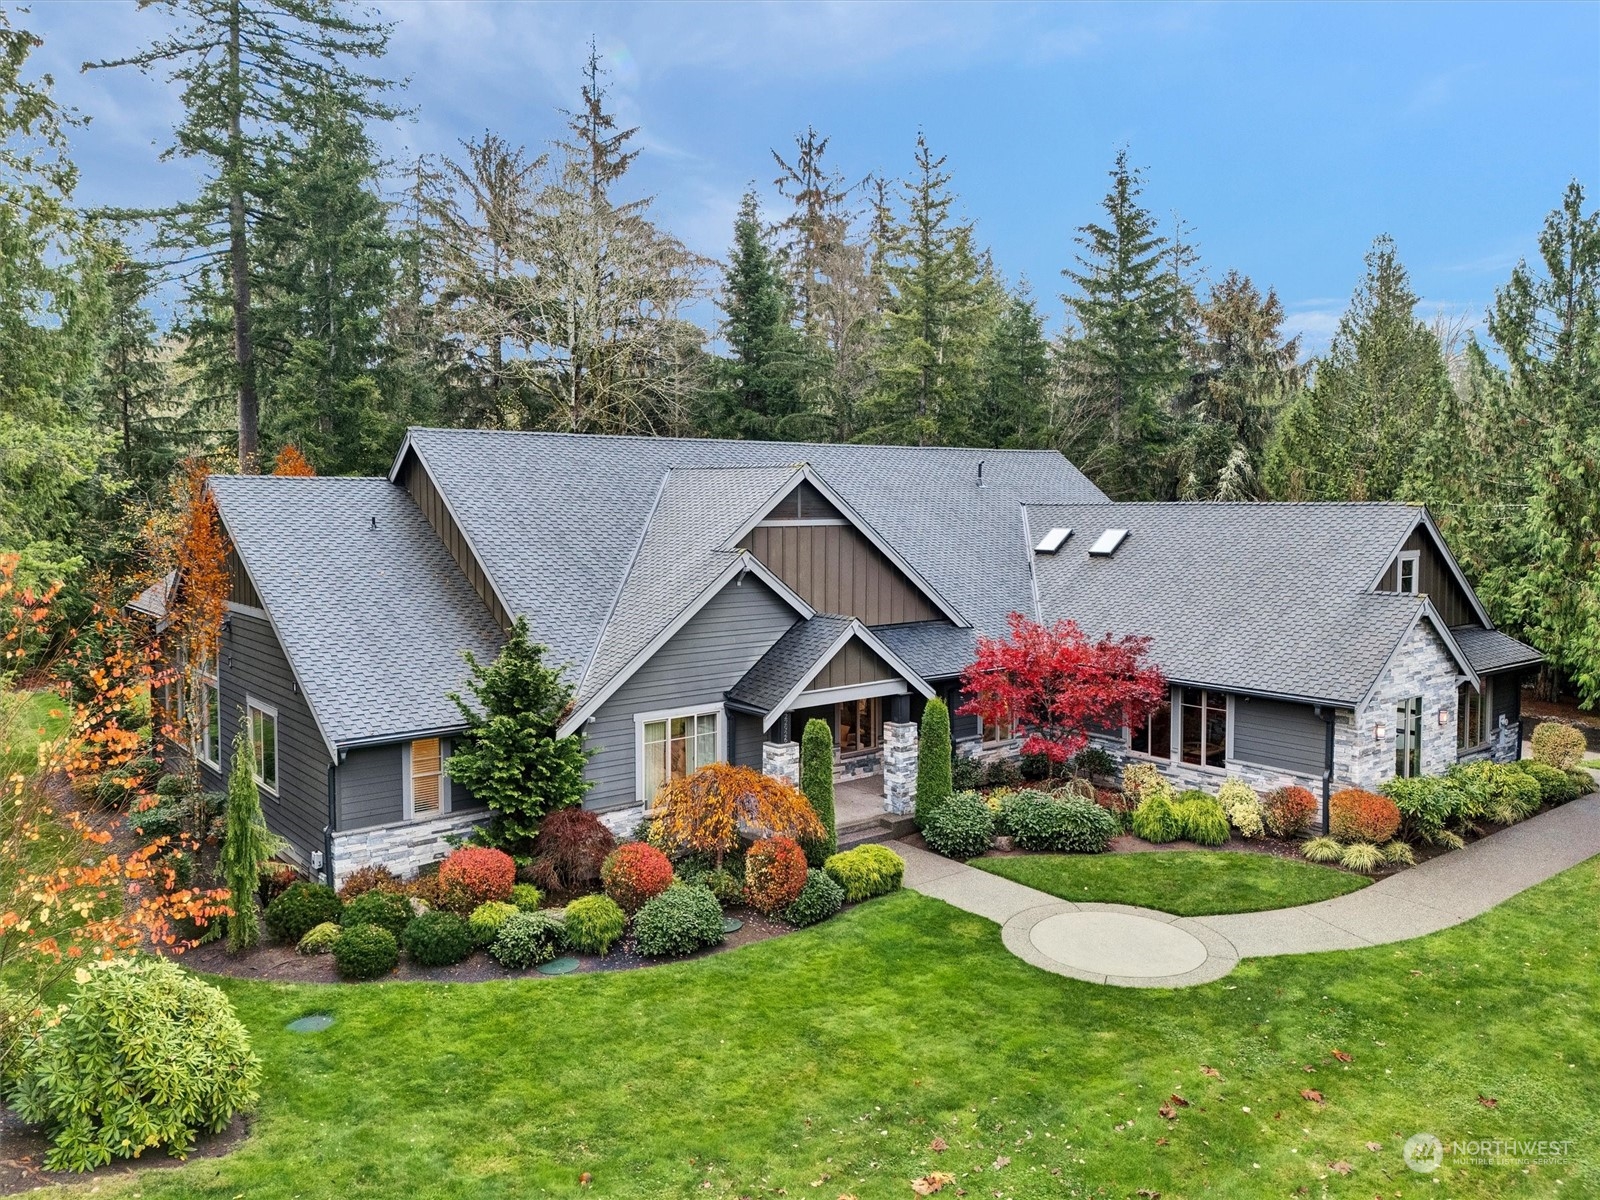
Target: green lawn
{"x": 1187, "y": 883}
{"x": 825, "y": 1063}
{"x": 25, "y": 718}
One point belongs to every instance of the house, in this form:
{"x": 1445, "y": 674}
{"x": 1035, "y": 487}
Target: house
{"x": 706, "y": 598}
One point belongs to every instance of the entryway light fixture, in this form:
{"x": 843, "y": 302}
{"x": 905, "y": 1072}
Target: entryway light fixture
{"x": 1380, "y": 731}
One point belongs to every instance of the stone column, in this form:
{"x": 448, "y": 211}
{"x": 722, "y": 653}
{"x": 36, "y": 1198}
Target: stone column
{"x": 900, "y": 767}
{"x": 781, "y": 760}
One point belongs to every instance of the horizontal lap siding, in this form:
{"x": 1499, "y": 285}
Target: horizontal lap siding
{"x": 745, "y": 740}
{"x": 693, "y": 670}
{"x": 252, "y": 662}
{"x": 371, "y": 787}
{"x": 1273, "y": 733}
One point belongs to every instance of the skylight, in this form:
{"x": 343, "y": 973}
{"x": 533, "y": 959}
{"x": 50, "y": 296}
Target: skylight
{"x": 1106, "y": 545}
{"x": 1051, "y": 542}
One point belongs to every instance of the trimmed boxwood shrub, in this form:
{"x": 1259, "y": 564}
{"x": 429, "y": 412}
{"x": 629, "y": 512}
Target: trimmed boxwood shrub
{"x": 818, "y": 900}
{"x": 437, "y": 939}
{"x": 526, "y": 897}
{"x": 1555, "y": 786}
{"x": 320, "y": 939}
{"x": 866, "y": 871}
{"x": 634, "y": 873}
{"x": 595, "y": 924}
{"x": 1065, "y": 823}
{"x": 774, "y": 873}
{"x": 1201, "y": 820}
{"x": 1287, "y": 811}
{"x": 528, "y": 939}
{"x": 681, "y": 920}
{"x": 366, "y": 952}
{"x": 378, "y": 908}
{"x": 1355, "y": 815}
{"x": 1156, "y": 818}
{"x": 479, "y": 873}
{"x": 962, "y": 828}
{"x": 485, "y": 921}
{"x": 301, "y": 908}
{"x": 145, "y": 1055}
{"x": 1557, "y": 745}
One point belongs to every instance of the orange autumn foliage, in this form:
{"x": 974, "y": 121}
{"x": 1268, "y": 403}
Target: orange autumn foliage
{"x": 292, "y": 462}
{"x": 704, "y": 812}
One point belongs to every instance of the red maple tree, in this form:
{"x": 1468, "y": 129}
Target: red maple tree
{"x": 1057, "y": 685}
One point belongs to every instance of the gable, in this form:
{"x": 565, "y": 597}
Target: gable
{"x": 854, "y": 664}
{"x": 1435, "y": 578}
{"x": 834, "y": 568}
{"x": 424, "y": 493}
{"x": 803, "y": 503}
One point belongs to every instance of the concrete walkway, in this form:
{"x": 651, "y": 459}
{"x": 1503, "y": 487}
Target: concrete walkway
{"x": 1139, "y": 947}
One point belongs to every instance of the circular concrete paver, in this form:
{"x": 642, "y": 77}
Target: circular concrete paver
{"x": 1119, "y": 944}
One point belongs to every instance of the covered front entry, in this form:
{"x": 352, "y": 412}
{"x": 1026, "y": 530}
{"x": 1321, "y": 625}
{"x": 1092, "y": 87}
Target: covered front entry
{"x": 833, "y": 669}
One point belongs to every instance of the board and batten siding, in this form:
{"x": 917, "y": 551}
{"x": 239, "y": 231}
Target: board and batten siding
{"x": 252, "y": 663}
{"x": 854, "y": 664}
{"x": 424, "y": 493}
{"x": 1275, "y": 733}
{"x": 1434, "y": 579}
{"x": 692, "y": 671}
{"x": 835, "y": 569}
{"x": 369, "y": 787}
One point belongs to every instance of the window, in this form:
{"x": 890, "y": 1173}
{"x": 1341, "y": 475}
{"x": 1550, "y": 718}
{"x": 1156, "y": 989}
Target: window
{"x": 999, "y": 731}
{"x": 1205, "y": 727}
{"x": 676, "y": 746}
{"x": 210, "y": 722}
{"x": 1406, "y": 570}
{"x": 1153, "y": 735}
{"x": 1106, "y": 544}
{"x": 858, "y": 723}
{"x": 427, "y": 786}
{"x": 264, "y": 741}
{"x": 1408, "y": 738}
{"x": 1469, "y": 717}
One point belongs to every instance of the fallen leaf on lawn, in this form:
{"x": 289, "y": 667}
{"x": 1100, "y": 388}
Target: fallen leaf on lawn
{"x": 1488, "y": 1101}
{"x": 1309, "y": 1069}
{"x": 1001, "y": 1163}
{"x": 1341, "y": 1056}
{"x": 1161, "y": 1141}
{"x": 848, "y": 1196}
{"x": 938, "y": 1145}
{"x": 1148, "y": 1194}
{"x": 1311, "y": 1094}
{"x": 932, "y": 1182}
{"x": 1167, "y": 1111}
{"x": 1341, "y": 1167}
{"x": 1178, "y": 1100}
{"x": 1211, "y": 1071}
{"x": 1278, "y": 1116}
{"x": 585, "y": 1179}
{"x": 1374, "y": 1146}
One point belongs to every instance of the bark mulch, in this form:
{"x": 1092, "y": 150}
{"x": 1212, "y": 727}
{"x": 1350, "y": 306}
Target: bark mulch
{"x": 22, "y": 1151}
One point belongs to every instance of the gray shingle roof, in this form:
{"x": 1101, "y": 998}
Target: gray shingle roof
{"x": 677, "y": 558}
{"x": 1268, "y": 598}
{"x": 1489, "y": 650}
{"x": 152, "y": 602}
{"x": 373, "y": 621}
{"x": 935, "y": 650}
{"x": 792, "y": 657}
{"x": 554, "y": 517}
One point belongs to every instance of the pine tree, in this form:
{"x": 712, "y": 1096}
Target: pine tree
{"x": 247, "y": 845}
{"x": 934, "y": 762}
{"x": 759, "y": 386}
{"x": 816, "y": 782}
{"x": 1130, "y": 307}
{"x": 133, "y": 387}
{"x": 256, "y": 76}
{"x": 1355, "y": 433}
{"x": 938, "y": 311}
{"x": 1014, "y": 373}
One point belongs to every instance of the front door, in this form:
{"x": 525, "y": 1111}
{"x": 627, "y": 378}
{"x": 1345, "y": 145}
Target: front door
{"x": 860, "y": 725}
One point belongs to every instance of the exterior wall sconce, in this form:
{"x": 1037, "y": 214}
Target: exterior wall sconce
{"x": 1380, "y": 731}
{"x": 1444, "y": 716}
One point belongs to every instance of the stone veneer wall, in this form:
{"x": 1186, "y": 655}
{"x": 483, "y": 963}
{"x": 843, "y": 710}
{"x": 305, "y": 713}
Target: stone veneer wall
{"x": 781, "y": 760}
{"x": 403, "y": 847}
{"x": 900, "y": 767}
{"x": 1421, "y": 667}
{"x": 1209, "y": 779}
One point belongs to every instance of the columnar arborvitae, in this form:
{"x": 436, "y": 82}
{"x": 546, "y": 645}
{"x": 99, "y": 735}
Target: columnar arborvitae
{"x": 933, "y": 761}
{"x": 816, "y": 781}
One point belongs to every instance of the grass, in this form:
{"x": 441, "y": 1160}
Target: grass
{"x": 825, "y": 1064}
{"x": 1186, "y": 883}
{"x": 26, "y": 719}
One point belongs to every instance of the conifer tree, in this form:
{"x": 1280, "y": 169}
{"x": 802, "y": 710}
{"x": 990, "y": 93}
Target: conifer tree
{"x": 247, "y": 845}
{"x": 134, "y": 387}
{"x": 816, "y": 781}
{"x": 1014, "y": 373}
{"x": 934, "y": 762}
{"x": 939, "y": 306}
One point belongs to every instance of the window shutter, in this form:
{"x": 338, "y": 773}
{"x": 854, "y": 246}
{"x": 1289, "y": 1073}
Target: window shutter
{"x": 425, "y": 773}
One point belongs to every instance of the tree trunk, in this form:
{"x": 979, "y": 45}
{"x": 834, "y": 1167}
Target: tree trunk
{"x": 239, "y": 265}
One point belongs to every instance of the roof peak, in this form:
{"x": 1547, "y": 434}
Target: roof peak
{"x": 651, "y": 437}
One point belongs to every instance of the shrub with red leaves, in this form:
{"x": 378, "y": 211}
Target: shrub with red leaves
{"x": 1113, "y": 801}
{"x": 275, "y": 880}
{"x": 479, "y": 874}
{"x": 1355, "y": 815}
{"x": 774, "y": 874}
{"x": 567, "y": 853}
{"x": 370, "y": 879}
{"x": 1287, "y": 811}
{"x": 635, "y": 872}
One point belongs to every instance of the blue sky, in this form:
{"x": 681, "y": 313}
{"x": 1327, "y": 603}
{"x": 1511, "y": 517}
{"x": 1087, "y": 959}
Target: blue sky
{"x": 1288, "y": 136}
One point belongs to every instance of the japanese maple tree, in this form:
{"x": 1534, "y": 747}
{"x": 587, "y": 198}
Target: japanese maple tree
{"x": 1058, "y": 685}
{"x": 703, "y": 813}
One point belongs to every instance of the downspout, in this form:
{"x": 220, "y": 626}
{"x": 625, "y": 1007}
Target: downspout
{"x": 327, "y": 830}
{"x": 1328, "y": 718}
